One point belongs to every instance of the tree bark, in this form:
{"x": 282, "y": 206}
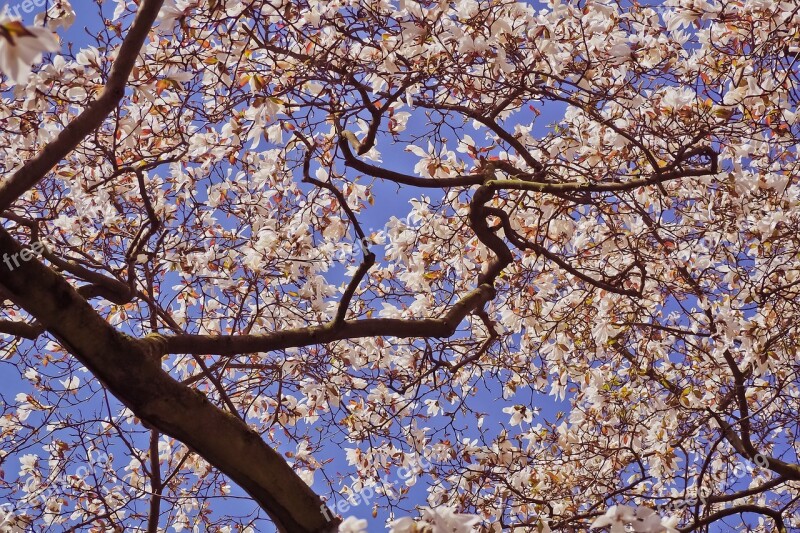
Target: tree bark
{"x": 131, "y": 370}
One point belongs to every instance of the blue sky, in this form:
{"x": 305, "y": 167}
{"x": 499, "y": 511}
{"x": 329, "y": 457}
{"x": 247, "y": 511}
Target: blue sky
{"x": 390, "y": 201}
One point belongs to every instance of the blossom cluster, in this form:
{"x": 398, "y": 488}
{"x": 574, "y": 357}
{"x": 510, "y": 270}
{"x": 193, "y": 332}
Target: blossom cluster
{"x": 17, "y": 518}
{"x": 641, "y": 519}
{"x": 440, "y": 519}
{"x": 606, "y": 218}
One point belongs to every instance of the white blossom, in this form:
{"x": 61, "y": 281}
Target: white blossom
{"x": 21, "y": 47}
{"x": 641, "y": 519}
{"x": 351, "y": 524}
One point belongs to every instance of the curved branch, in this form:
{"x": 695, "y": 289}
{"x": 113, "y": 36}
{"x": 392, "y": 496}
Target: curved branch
{"x": 748, "y": 508}
{"x": 477, "y": 220}
{"x": 344, "y": 303}
{"x": 522, "y": 243}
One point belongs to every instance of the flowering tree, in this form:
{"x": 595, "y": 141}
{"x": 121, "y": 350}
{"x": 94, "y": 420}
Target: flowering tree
{"x": 605, "y": 210}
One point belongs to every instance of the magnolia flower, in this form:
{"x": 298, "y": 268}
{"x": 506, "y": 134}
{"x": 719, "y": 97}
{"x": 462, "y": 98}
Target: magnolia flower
{"x": 59, "y": 15}
{"x": 21, "y": 47}
{"x": 446, "y": 520}
{"x": 617, "y": 516}
{"x": 519, "y": 414}
{"x": 28, "y": 463}
{"x": 71, "y": 384}
{"x": 468, "y": 44}
{"x": 647, "y": 521}
{"x": 8, "y": 520}
{"x": 439, "y": 520}
{"x": 403, "y": 525}
{"x": 641, "y": 519}
{"x": 620, "y": 52}
{"x": 353, "y": 525}
{"x": 171, "y": 11}
{"x": 680, "y": 19}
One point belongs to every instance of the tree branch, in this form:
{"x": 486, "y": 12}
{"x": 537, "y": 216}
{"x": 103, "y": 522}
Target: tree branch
{"x": 747, "y": 508}
{"x": 156, "y": 486}
{"x": 21, "y": 329}
{"x": 229, "y": 345}
{"x": 355, "y": 163}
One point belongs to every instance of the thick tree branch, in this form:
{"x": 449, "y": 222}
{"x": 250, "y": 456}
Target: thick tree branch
{"x": 585, "y": 186}
{"x": 658, "y": 178}
{"x": 769, "y": 485}
{"x": 229, "y": 345}
{"x": 131, "y": 370}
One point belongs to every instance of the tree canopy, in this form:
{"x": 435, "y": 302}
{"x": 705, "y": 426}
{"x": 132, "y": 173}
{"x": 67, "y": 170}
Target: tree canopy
{"x": 260, "y": 255}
